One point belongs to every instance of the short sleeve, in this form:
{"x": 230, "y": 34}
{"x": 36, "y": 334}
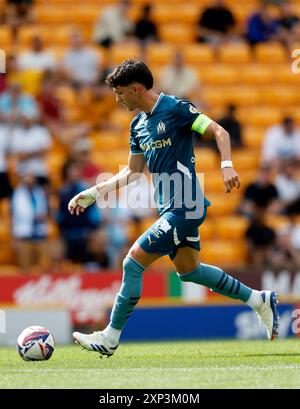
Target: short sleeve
{"x": 187, "y": 114}
{"x": 134, "y": 143}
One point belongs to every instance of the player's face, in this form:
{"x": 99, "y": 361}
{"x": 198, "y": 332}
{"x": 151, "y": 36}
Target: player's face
{"x": 127, "y": 96}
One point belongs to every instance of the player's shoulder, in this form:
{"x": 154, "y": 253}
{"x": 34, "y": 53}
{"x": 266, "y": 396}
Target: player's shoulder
{"x": 135, "y": 120}
{"x": 180, "y": 103}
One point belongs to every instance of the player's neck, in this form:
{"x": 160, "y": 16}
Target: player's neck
{"x": 148, "y": 102}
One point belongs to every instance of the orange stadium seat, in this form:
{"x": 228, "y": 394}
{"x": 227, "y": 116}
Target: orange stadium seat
{"x": 231, "y": 227}
{"x": 179, "y": 13}
{"x": 160, "y": 54}
{"x": 243, "y": 95}
{"x": 245, "y": 159}
{"x": 284, "y": 75}
{"x": 27, "y": 32}
{"x": 219, "y": 75}
{"x": 214, "y": 96}
{"x": 5, "y": 233}
{"x": 5, "y": 37}
{"x": 238, "y": 53}
{"x": 198, "y": 54}
{"x": 253, "y": 136}
{"x": 281, "y": 95}
{"x": 213, "y": 182}
{"x": 121, "y": 118}
{"x": 257, "y": 74}
{"x": 270, "y": 53}
{"x": 106, "y": 141}
{"x": 207, "y": 229}
{"x": 206, "y": 159}
{"x": 223, "y": 204}
{"x": 177, "y": 33}
{"x": 277, "y": 222}
{"x": 121, "y": 52}
{"x": 260, "y": 116}
{"x": 224, "y": 253}
{"x": 58, "y": 14}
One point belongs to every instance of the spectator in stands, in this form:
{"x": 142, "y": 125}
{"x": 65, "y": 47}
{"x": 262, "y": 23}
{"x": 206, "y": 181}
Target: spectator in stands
{"x": 145, "y": 28}
{"x": 216, "y": 23}
{"x": 29, "y": 211}
{"x": 286, "y": 252}
{"x": 260, "y": 239}
{"x": 75, "y": 231}
{"x": 113, "y": 26}
{"x": 81, "y": 152}
{"x": 37, "y": 58}
{"x": 230, "y": 122}
{"x": 261, "y": 193}
{"x": 31, "y": 141}
{"x": 288, "y": 24}
{"x": 180, "y": 79}
{"x": 288, "y": 186}
{"x": 80, "y": 63}
{"x": 14, "y": 104}
{"x": 18, "y": 12}
{"x": 97, "y": 248}
{"x": 261, "y": 26}
{"x": 282, "y": 141}
{"x": 5, "y": 186}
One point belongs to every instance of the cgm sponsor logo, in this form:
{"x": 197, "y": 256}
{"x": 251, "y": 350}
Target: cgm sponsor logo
{"x": 161, "y": 143}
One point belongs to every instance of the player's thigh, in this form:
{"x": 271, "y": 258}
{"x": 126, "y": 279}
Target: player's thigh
{"x": 186, "y": 259}
{"x": 143, "y": 257}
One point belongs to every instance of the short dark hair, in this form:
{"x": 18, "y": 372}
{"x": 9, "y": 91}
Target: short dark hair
{"x": 130, "y": 71}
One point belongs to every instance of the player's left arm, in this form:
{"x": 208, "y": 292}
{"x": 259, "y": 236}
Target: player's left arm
{"x": 211, "y": 129}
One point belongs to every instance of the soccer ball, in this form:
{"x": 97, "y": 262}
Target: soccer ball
{"x": 35, "y": 344}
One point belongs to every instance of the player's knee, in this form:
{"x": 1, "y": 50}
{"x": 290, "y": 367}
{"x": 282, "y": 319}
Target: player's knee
{"x": 131, "y": 266}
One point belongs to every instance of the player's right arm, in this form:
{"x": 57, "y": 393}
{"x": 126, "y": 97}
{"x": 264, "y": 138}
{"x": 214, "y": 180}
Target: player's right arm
{"x": 136, "y": 165}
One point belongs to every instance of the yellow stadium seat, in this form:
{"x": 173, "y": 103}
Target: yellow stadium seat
{"x": 177, "y": 33}
{"x": 257, "y": 74}
{"x": 218, "y": 75}
{"x": 260, "y": 116}
{"x": 213, "y": 182}
{"x": 224, "y": 253}
{"x": 27, "y": 32}
{"x": 6, "y": 254}
{"x": 121, "y": 52}
{"x": 106, "y": 141}
{"x": 243, "y": 95}
{"x": 121, "y": 119}
{"x": 245, "y": 159}
{"x": 58, "y": 14}
{"x": 5, "y": 37}
{"x": 281, "y": 95}
{"x": 146, "y": 223}
{"x": 284, "y": 75}
{"x": 207, "y": 230}
{"x": 160, "y": 54}
{"x": 223, "y": 204}
{"x": 198, "y": 54}
{"x": 206, "y": 160}
{"x": 214, "y": 95}
{"x": 246, "y": 177}
{"x": 86, "y": 14}
{"x": 270, "y": 53}
{"x": 53, "y": 230}
{"x": 277, "y": 222}
{"x": 178, "y": 13}
{"x": 253, "y": 136}
{"x": 235, "y": 53}
{"x": 230, "y": 227}
{"x": 5, "y": 232}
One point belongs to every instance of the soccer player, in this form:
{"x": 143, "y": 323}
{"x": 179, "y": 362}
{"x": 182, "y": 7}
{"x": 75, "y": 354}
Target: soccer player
{"x": 161, "y": 136}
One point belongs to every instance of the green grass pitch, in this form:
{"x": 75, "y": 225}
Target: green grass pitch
{"x": 203, "y": 364}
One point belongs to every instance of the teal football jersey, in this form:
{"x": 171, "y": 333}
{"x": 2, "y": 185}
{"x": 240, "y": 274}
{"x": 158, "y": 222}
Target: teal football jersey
{"x": 165, "y": 138}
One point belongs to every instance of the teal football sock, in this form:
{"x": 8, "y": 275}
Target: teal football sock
{"x": 129, "y": 294}
{"x": 220, "y": 282}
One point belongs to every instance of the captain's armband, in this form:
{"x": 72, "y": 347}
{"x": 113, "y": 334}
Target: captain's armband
{"x": 201, "y": 123}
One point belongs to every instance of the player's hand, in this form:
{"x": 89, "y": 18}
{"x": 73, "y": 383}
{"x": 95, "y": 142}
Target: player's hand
{"x": 80, "y": 202}
{"x": 230, "y": 179}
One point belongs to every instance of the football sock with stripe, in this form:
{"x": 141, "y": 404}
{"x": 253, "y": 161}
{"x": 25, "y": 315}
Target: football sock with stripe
{"x": 220, "y": 282}
{"x": 127, "y": 298}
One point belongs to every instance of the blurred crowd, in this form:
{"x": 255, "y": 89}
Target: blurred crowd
{"x": 34, "y": 120}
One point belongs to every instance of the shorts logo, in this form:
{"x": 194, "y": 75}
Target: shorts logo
{"x": 193, "y": 110}
{"x": 161, "y": 127}
{"x": 150, "y": 241}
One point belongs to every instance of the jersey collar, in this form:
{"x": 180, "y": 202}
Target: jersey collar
{"x": 156, "y": 105}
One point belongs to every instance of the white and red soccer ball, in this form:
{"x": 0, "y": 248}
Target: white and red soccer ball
{"x": 35, "y": 344}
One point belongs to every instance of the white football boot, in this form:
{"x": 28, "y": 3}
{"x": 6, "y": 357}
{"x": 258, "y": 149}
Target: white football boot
{"x": 95, "y": 342}
{"x": 267, "y": 313}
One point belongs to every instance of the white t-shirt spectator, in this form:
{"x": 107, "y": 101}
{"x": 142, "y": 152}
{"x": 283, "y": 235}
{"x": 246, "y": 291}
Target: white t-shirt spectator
{"x": 31, "y": 140}
{"x": 4, "y": 146}
{"x": 288, "y": 188}
{"x": 179, "y": 82}
{"x": 82, "y": 65}
{"x": 279, "y": 145}
{"x": 112, "y": 24}
{"x": 41, "y": 61}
